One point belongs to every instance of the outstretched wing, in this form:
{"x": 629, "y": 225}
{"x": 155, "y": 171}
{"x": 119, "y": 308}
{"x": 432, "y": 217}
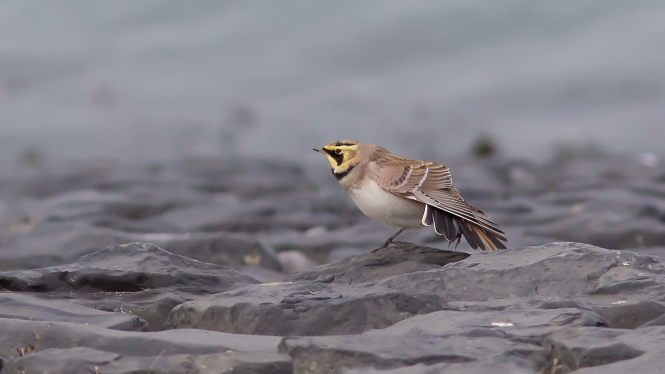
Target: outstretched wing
{"x": 431, "y": 183}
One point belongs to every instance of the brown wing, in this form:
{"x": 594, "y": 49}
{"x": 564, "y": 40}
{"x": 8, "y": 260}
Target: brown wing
{"x": 397, "y": 174}
{"x": 431, "y": 183}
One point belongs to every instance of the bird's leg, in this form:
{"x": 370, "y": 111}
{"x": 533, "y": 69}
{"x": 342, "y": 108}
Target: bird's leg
{"x": 390, "y": 239}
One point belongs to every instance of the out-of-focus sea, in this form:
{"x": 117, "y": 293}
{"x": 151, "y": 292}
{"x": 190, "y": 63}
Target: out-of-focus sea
{"x": 150, "y": 80}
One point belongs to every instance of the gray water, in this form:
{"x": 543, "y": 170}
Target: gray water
{"x": 146, "y": 80}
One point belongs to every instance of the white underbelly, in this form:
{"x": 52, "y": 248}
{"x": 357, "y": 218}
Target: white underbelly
{"x": 389, "y": 209}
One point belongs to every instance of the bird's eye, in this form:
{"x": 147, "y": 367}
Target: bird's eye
{"x": 338, "y": 151}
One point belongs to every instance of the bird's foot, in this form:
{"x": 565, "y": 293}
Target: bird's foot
{"x": 387, "y": 243}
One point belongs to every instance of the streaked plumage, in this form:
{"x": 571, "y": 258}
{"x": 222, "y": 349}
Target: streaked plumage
{"x": 404, "y": 193}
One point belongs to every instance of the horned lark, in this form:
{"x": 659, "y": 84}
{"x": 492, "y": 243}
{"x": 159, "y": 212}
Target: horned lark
{"x": 405, "y": 194}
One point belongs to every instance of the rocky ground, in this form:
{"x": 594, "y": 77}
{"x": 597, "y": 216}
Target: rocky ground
{"x": 220, "y": 274}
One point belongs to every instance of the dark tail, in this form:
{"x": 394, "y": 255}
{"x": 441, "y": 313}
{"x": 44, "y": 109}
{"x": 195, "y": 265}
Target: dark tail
{"x": 453, "y": 228}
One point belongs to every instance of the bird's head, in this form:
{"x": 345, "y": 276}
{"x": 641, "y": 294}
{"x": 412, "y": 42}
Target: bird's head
{"x": 343, "y": 155}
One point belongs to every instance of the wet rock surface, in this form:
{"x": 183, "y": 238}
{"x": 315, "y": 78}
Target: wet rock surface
{"x": 141, "y": 279}
{"x": 556, "y": 269}
{"x": 126, "y": 268}
{"x": 82, "y": 360}
{"x": 26, "y": 306}
{"x": 301, "y": 309}
{"x": 209, "y": 266}
{"x": 454, "y": 368}
{"x": 38, "y": 345}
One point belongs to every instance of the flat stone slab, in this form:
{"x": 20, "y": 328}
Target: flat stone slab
{"x": 587, "y": 347}
{"x": 126, "y": 268}
{"x": 555, "y": 269}
{"x": 141, "y": 279}
{"x": 25, "y": 338}
{"x": 455, "y": 368}
{"x": 154, "y": 305}
{"x": 88, "y": 360}
{"x": 34, "y": 307}
{"x": 287, "y": 308}
{"x": 450, "y": 337}
{"x": 651, "y": 362}
{"x": 334, "y": 354}
{"x": 624, "y": 312}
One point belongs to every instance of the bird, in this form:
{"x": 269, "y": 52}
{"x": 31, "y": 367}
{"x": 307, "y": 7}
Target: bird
{"x": 406, "y": 194}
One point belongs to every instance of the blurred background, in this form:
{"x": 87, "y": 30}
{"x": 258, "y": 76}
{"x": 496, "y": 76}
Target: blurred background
{"x": 158, "y": 80}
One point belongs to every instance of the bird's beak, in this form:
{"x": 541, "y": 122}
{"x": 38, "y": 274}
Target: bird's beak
{"x": 317, "y": 150}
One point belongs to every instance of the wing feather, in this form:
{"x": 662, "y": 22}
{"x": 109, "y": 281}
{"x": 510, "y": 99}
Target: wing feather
{"x": 401, "y": 174}
{"x": 431, "y": 183}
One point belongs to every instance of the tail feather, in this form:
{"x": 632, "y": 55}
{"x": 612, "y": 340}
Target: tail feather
{"x": 492, "y": 242}
{"x": 443, "y": 224}
{"x": 428, "y": 217}
{"x": 451, "y": 227}
{"x": 470, "y": 235}
{"x": 451, "y": 232}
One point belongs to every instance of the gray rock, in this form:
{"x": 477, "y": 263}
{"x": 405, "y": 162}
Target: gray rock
{"x": 314, "y": 355}
{"x": 126, "y": 268}
{"x": 537, "y": 271}
{"x": 399, "y": 258}
{"x": 25, "y": 338}
{"x": 38, "y": 308}
{"x": 88, "y": 360}
{"x": 625, "y": 312}
{"x": 300, "y": 309}
{"x": 140, "y": 279}
{"x": 621, "y": 286}
{"x": 588, "y": 347}
{"x": 651, "y": 362}
{"x": 154, "y": 306}
{"x": 382, "y": 350}
{"x": 497, "y": 323}
{"x": 43, "y": 335}
{"x": 540, "y": 340}
{"x": 456, "y": 368}
{"x": 630, "y": 313}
